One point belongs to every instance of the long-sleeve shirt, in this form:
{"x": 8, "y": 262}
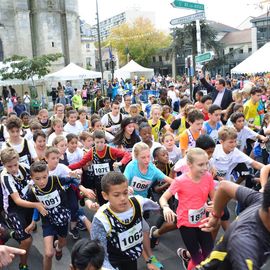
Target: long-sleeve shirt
{"x": 115, "y": 153}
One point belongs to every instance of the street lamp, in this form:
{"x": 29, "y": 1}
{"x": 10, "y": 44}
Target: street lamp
{"x": 110, "y": 64}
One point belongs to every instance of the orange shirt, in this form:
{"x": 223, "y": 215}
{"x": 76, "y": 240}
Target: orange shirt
{"x": 187, "y": 139}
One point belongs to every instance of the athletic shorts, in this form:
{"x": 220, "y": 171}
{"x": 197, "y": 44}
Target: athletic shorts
{"x": 18, "y": 221}
{"x": 53, "y": 230}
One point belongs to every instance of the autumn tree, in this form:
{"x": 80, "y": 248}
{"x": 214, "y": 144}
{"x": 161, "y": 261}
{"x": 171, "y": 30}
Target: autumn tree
{"x": 140, "y": 40}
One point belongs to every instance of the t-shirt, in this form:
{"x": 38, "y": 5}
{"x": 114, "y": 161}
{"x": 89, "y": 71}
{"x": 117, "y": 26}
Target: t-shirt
{"x": 242, "y": 136}
{"x": 246, "y": 243}
{"x": 53, "y": 136}
{"x": 225, "y": 163}
{"x": 192, "y": 197}
{"x": 76, "y": 156}
{"x": 175, "y": 154}
{"x": 76, "y": 129}
{"x": 186, "y": 140}
{"x": 61, "y": 170}
{"x": 250, "y": 111}
{"x": 141, "y": 182}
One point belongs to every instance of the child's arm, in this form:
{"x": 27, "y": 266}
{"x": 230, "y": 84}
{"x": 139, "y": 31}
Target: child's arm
{"x": 98, "y": 232}
{"x": 169, "y": 215}
{"x": 160, "y": 189}
{"x": 26, "y": 204}
{"x": 87, "y": 192}
{"x": 86, "y": 158}
{"x": 118, "y": 153}
{"x": 264, "y": 175}
{"x": 257, "y": 165}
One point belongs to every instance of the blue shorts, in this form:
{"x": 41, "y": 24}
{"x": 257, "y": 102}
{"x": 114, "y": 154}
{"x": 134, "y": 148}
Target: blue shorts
{"x": 53, "y": 230}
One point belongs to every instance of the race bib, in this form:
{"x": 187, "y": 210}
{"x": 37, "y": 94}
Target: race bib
{"x": 24, "y": 159}
{"x": 131, "y": 237}
{"x": 101, "y": 169}
{"x": 50, "y": 200}
{"x": 140, "y": 184}
{"x": 195, "y": 216}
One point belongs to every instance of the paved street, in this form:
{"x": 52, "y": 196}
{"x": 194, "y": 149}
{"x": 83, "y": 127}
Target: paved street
{"x": 165, "y": 251}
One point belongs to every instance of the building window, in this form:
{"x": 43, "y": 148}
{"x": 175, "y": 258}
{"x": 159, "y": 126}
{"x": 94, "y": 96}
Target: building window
{"x": 241, "y": 51}
{"x": 53, "y": 44}
{"x": 88, "y": 61}
{"x": 87, "y": 46}
{"x": 154, "y": 59}
{"x": 160, "y": 58}
{"x": 249, "y": 50}
{"x": 1, "y": 51}
{"x": 231, "y": 49}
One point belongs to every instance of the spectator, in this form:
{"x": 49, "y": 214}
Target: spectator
{"x": 27, "y": 101}
{"x": 19, "y": 107}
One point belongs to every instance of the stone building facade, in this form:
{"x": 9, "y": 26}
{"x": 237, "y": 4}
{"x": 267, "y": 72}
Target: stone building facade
{"x": 36, "y": 27}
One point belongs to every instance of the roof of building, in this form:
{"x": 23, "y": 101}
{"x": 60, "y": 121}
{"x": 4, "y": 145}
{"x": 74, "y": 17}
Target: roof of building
{"x": 242, "y": 36}
{"x": 261, "y": 18}
{"x": 220, "y": 27}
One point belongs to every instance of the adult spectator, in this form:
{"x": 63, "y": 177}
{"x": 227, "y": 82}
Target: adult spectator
{"x": 54, "y": 95}
{"x": 26, "y": 101}
{"x": 69, "y": 91}
{"x": 19, "y": 107}
{"x": 220, "y": 95}
{"x": 5, "y": 93}
{"x": 62, "y": 99}
{"x": 172, "y": 94}
{"x": 12, "y": 91}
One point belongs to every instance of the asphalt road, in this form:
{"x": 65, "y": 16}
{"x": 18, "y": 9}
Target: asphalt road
{"x": 165, "y": 251}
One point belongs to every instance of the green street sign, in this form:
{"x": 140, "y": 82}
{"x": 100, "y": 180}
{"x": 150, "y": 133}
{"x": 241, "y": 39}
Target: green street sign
{"x": 205, "y": 57}
{"x": 188, "y": 5}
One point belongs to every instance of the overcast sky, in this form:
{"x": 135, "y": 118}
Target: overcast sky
{"x": 230, "y": 12}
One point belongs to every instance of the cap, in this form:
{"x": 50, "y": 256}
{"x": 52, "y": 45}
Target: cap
{"x": 171, "y": 85}
{"x": 126, "y": 121}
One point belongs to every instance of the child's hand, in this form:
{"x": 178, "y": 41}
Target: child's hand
{"x": 116, "y": 165}
{"x": 91, "y": 205}
{"x": 30, "y": 228}
{"x": 169, "y": 215}
{"x": 209, "y": 224}
{"x": 89, "y": 193}
{"x": 41, "y": 209}
{"x": 209, "y": 206}
{"x": 130, "y": 191}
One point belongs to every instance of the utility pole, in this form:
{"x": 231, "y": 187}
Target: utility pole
{"x": 99, "y": 48}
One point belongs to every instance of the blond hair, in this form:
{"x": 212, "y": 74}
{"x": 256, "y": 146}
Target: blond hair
{"x": 8, "y": 154}
{"x": 51, "y": 150}
{"x": 227, "y": 133}
{"x": 58, "y": 139}
{"x": 192, "y": 152}
{"x": 155, "y": 107}
{"x": 139, "y": 147}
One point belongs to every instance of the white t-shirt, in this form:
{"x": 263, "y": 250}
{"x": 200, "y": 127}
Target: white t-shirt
{"x": 225, "y": 163}
{"x": 175, "y": 154}
{"x": 61, "y": 170}
{"x": 53, "y": 136}
{"x": 76, "y": 129}
{"x": 75, "y": 156}
{"x": 242, "y": 136}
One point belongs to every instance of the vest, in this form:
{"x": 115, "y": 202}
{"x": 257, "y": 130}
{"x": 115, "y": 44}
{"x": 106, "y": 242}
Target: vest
{"x": 155, "y": 129}
{"x": 124, "y": 241}
{"x": 212, "y": 132}
{"x": 55, "y": 202}
{"x": 111, "y": 123}
{"x": 191, "y": 140}
{"x": 24, "y": 155}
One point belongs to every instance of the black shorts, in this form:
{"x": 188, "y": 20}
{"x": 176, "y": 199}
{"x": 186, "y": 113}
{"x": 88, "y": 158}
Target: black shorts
{"x": 18, "y": 221}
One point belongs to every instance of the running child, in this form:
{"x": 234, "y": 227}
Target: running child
{"x": 43, "y": 118}
{"x": 118, "y": 224}
{"x": 18, "y": 210}
{"x": 72, "y": 126}
{"x": 74, "y": 153}
{"x": 56, "y": 130}
{"x": 169, "y": 143}
{"x": 60, "y": 143}
{"x": 193, "y": 189}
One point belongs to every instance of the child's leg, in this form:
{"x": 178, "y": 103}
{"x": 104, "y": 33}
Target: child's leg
{"x": 48, "y": 252}
{"x": 62, "y": 241}
{"x": 190, "y": 238}
{"x": 206, "y": 242}
{"x": 25, "y": 244}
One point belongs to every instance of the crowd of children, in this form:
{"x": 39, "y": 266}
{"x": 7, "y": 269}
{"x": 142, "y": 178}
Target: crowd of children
{"x": 123, "y": 162}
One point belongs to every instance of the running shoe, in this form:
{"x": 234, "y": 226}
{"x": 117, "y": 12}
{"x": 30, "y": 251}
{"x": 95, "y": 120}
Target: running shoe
{"x": 184, "y": 256}
{"x": 74, "y": 233}
{"x": 154, "y": 241}
{"x": 80, "y": 226}
{"x": 23, "y": 266}
{"x": 153, "y": 260}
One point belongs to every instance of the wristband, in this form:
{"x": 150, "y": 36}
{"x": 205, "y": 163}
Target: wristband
{"x": 217, "y": 216}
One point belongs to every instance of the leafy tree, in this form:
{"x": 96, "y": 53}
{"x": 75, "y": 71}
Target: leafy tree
{"x": 24, "y": 68}
{"x": 140, "y": 40}
{"x": 184, "y": 39}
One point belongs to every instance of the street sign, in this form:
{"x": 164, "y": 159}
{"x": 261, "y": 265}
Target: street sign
{"x": 188, "y": 19}
{"x": 205, "y": 57}
{"x": 188, "y": 5}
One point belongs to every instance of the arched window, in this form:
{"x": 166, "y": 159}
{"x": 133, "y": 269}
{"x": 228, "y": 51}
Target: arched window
{"x": 1, "y": 51}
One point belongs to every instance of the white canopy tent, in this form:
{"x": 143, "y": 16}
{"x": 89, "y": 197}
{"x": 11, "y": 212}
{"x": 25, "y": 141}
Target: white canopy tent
{"x": 132, "y": 69}
{"x": 258, "y": 62}
{"x": 72, "y": 72}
